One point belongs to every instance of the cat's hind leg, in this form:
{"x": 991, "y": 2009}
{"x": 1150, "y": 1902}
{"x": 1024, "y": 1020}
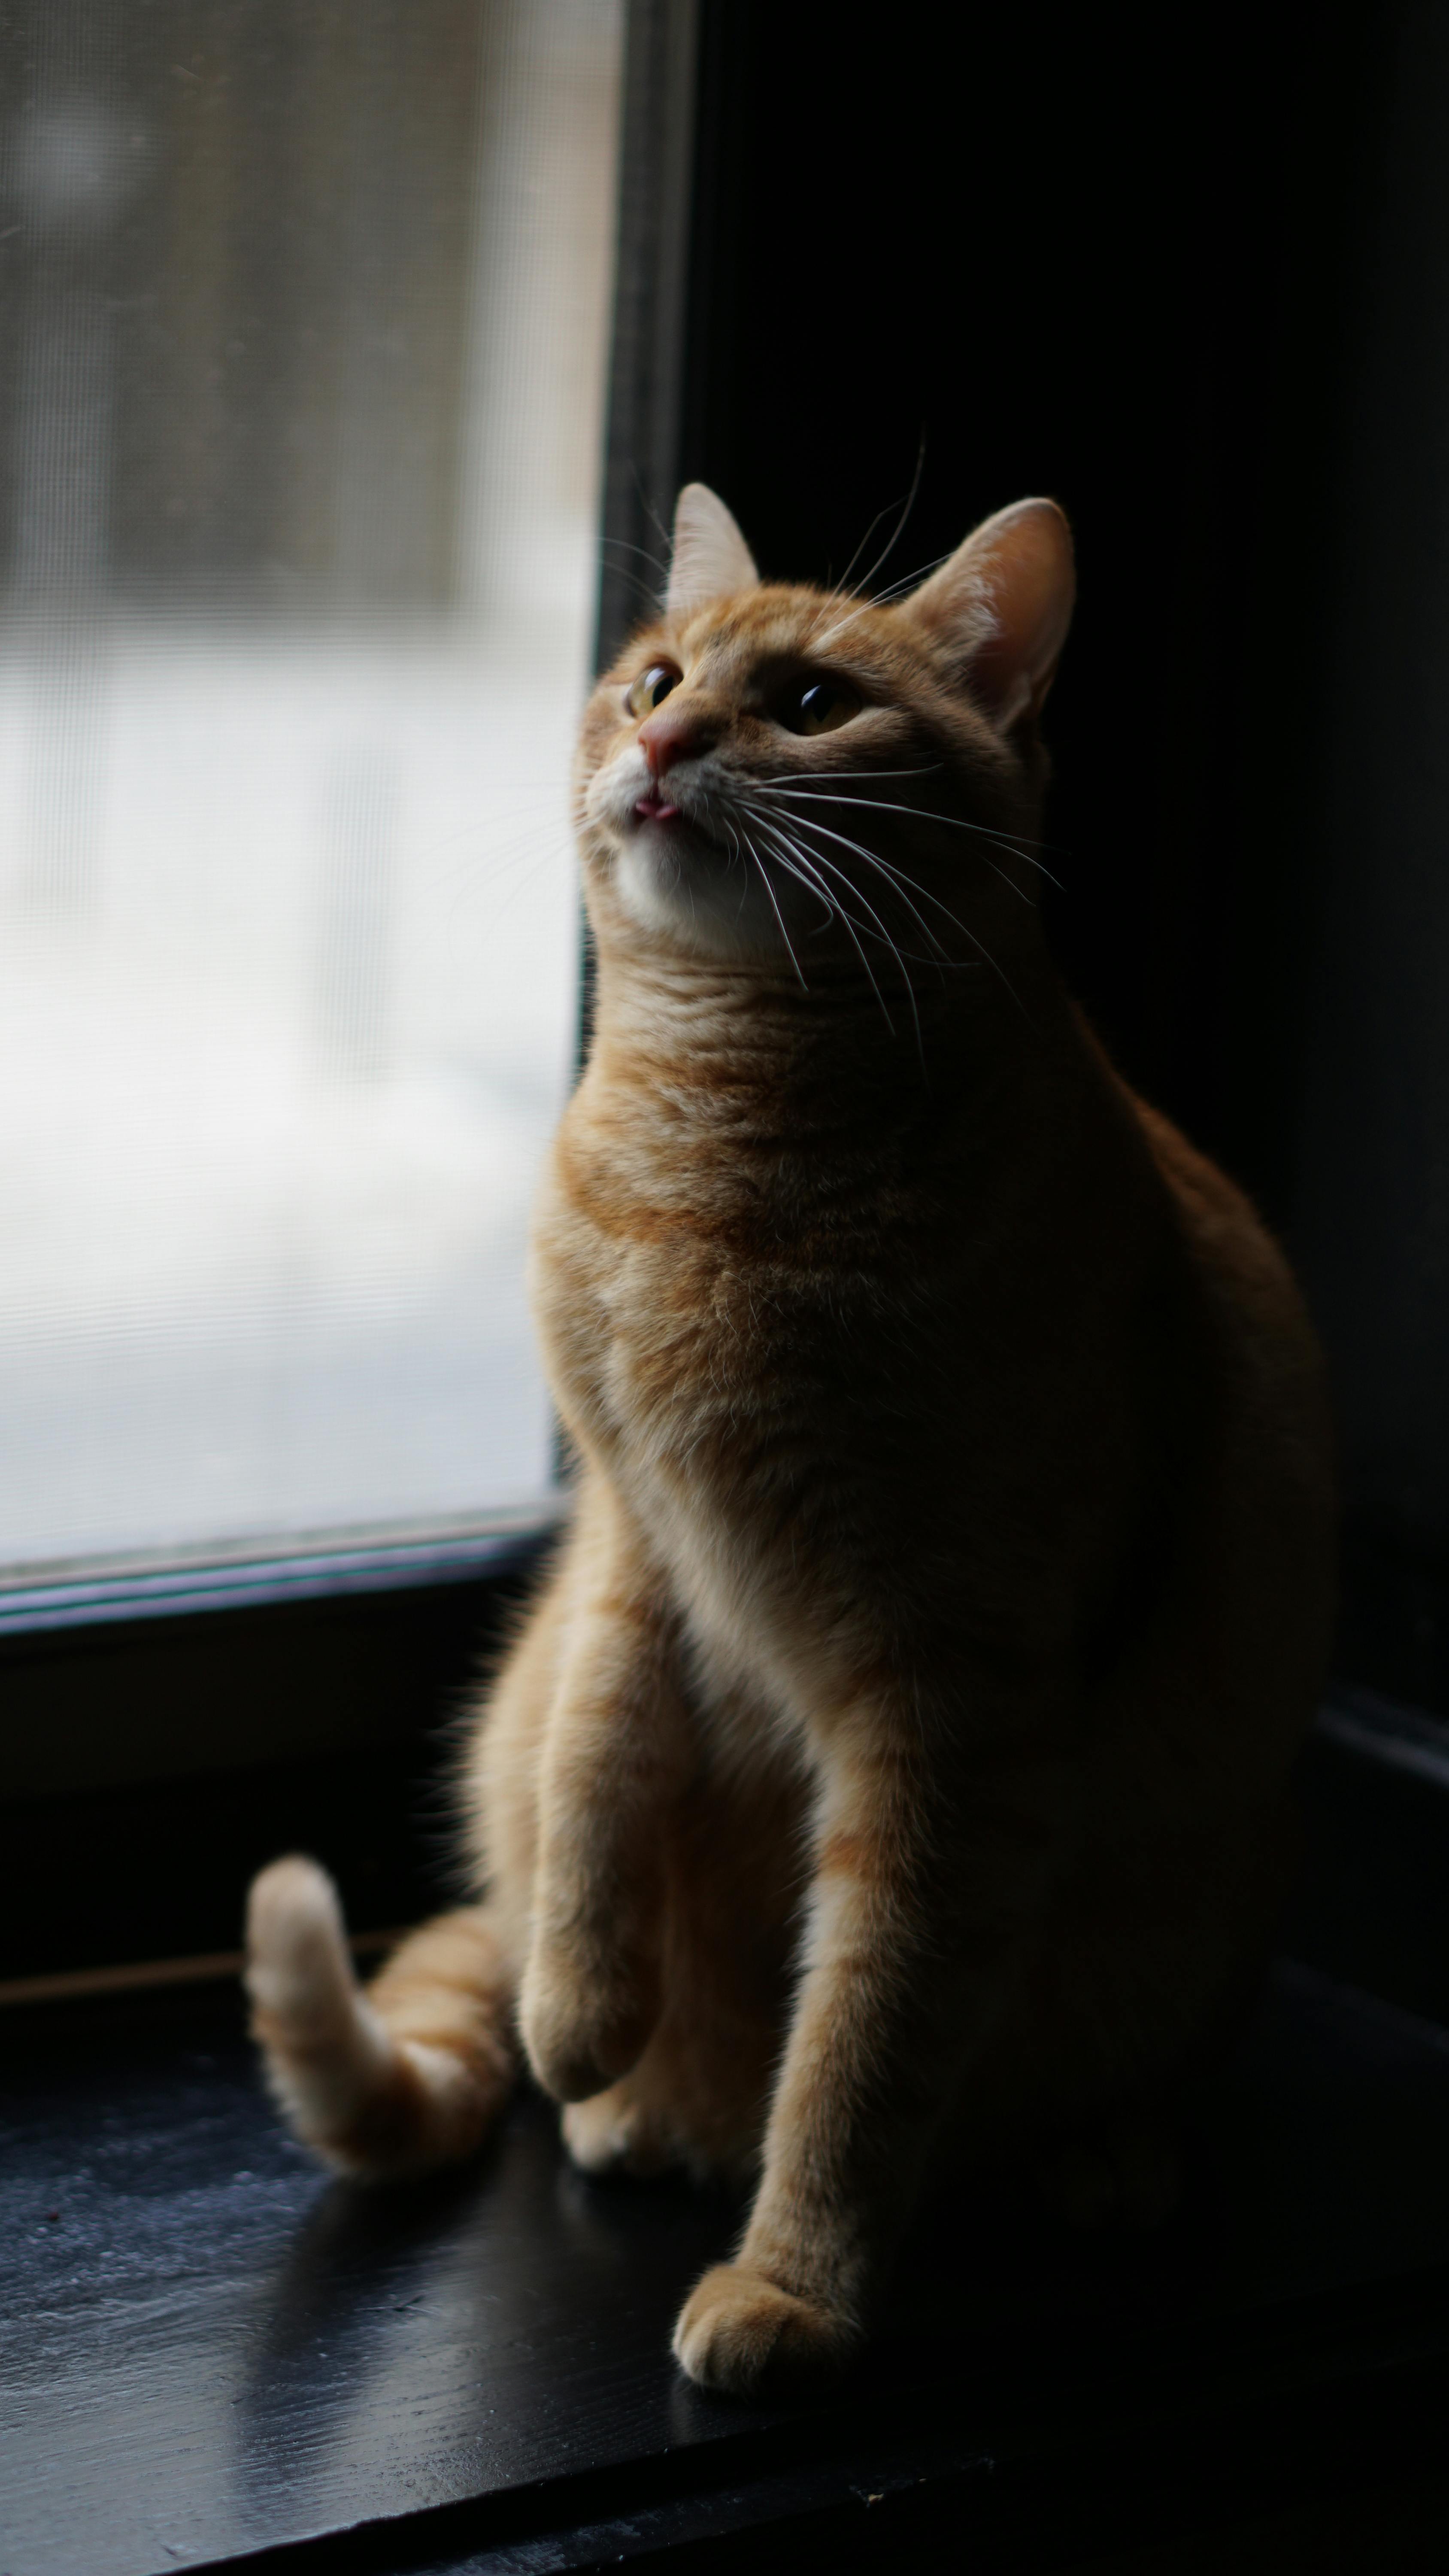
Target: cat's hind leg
{"x": 405, "y": 2076}
{"x": 674, "y": 2111}
{"x": 697, "y": 2097}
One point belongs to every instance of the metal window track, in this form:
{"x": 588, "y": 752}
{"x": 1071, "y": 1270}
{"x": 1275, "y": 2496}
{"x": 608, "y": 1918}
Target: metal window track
{"x": 382, "y": 1561}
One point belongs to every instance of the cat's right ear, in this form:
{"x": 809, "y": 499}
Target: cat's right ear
{"x": 1001, "y": 606}
{"x": 710, "y": 557}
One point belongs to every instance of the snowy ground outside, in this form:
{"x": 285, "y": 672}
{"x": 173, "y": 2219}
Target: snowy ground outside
{"x": 288, "y": 987}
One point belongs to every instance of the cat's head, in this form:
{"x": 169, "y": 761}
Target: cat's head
{"x": 776, "y": 774}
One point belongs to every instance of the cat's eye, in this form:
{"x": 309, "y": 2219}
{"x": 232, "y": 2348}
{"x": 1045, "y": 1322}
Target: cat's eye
{"x": 652, "y": 688}
{"x": 820, "y": 708}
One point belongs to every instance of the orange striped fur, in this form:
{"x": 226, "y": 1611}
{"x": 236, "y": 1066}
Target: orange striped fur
{"x": 894, "y": 1765}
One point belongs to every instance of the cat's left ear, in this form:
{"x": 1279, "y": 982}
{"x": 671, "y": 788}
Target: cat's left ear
{"x": 710, "y": 557}
{"x": 1001, "y": 606}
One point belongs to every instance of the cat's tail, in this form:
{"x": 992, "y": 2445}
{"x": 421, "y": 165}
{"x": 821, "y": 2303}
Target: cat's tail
{"x": 409, "y": 2074}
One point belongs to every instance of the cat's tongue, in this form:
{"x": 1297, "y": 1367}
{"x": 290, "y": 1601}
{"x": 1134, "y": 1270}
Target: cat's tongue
{"x": 654, "y": 808}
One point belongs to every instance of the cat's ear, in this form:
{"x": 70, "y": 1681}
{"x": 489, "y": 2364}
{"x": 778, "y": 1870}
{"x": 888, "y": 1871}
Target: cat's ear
{"x": 710, "y": 557}
{"x": 1001, "y": 606}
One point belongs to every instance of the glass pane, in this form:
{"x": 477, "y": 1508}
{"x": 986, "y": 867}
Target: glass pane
{"x": 302, "y": 352}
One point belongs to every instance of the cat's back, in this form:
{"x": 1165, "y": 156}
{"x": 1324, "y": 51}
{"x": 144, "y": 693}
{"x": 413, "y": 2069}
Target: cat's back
{"x": 1260, "y": 1533}
{"x": 1254, "y": 1309}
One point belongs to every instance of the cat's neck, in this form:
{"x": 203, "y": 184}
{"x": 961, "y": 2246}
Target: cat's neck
{"x": 731, "y": 1047}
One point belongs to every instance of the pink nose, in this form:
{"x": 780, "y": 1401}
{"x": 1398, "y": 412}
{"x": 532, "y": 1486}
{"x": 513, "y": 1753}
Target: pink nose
{"x": 669, "y": 736}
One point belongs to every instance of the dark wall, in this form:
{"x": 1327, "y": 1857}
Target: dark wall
{"x": 1064, "y": 248}
{"x": 1369, "y": 1204}
{"x": 1183, "y": 270}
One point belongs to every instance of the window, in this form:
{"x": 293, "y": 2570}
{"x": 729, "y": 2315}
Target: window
{"x": 303, "y": 339}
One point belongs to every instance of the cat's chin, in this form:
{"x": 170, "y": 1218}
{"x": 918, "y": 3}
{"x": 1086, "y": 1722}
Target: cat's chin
{"x": 674, "y": 881}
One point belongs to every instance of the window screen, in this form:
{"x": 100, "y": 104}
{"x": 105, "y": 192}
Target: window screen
{"x": 302, "y": 355}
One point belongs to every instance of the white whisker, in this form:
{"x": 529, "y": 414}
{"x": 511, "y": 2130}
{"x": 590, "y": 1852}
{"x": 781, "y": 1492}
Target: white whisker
{"x": 817, "y": 860}
{"x": 817, "y": 886}
{"x": 779, "y": 916}
{"x": 893, "y": 875}
{"x": 789, "y": 777}
{"x": 883, "y": 805}
{"x": 874, "y": 805}
{"x": 840, "y": 589}
{"x": 898, "y": 531}
{"x": 883, "y": 598}
{"x": 907, "y": 580}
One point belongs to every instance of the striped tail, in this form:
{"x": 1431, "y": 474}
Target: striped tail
{"x": 408, "y": 2075}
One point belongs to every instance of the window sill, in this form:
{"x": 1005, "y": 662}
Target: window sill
{"x": 218, "y": 2353}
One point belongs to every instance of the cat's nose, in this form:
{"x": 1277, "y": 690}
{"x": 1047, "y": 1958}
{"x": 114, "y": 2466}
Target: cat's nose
{"x": 673, "y": 733}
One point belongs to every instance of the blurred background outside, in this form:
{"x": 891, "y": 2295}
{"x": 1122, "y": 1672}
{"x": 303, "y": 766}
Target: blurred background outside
{"x": 303, "y": 325}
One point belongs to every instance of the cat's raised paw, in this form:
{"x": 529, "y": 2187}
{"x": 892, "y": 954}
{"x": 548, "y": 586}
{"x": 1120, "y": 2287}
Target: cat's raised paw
{"x": 581, "y": 2036}
{"x": 737, "y": 2332}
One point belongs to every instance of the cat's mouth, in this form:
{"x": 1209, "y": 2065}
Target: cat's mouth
{"x": 676, "y": 822}
{"x": 671, "y": 817}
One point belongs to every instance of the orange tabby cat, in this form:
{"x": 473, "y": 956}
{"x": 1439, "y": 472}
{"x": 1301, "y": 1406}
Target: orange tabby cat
{"x": 893, "y": 1765}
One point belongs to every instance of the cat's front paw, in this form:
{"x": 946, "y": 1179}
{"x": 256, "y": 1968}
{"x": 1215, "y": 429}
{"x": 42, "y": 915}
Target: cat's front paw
{"x": 738, "y": 2332}
{"x": 581, "y": 2035}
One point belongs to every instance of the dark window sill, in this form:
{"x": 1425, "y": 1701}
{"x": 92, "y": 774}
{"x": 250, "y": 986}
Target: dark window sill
{"x": 215, "y": 2352}
{"x": 216, "y": 2355}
